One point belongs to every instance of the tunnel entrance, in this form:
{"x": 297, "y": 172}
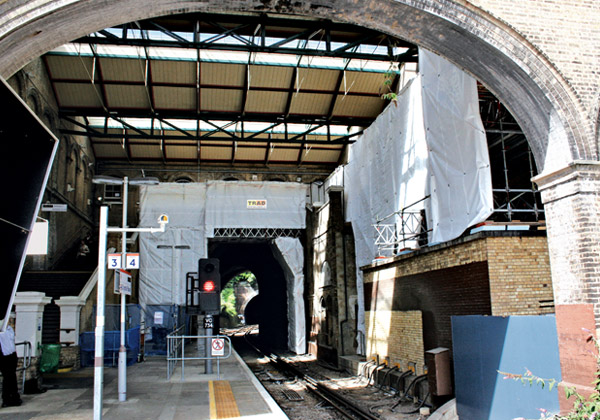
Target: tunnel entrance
{"x": 269, "y": 308}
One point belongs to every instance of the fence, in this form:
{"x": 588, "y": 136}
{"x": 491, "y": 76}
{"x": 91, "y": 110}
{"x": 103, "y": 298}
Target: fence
{"x": 176, "y": 351}
{"x": 26, "y": 361}
{"x": 409, "y": 232}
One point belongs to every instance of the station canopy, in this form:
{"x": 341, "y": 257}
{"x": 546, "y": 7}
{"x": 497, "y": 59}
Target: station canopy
{"x": 225, "y": 89}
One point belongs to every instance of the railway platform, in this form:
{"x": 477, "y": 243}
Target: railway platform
{"x": 151, "y": 396}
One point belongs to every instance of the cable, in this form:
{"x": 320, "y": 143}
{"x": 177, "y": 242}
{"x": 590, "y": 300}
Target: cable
{"x": 402, "y": 376}
{"x": 417, "y": 379}
{"x": 363, "y": 370}
{"x": 422, "y": 403}
{"x": 394, "y": 368}
{"x": 372, "y": 375}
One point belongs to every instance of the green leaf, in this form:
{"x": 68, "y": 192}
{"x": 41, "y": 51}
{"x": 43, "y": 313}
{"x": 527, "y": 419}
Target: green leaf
{"x": 569, "y": 392}
{"x": 551, "y": 384}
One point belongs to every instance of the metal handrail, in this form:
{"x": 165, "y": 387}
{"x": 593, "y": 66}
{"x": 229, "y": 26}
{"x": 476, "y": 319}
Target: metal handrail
{"x": 176, "y": 352}
{"x": 173, "y": 349}
{"x": 26, "y": 360}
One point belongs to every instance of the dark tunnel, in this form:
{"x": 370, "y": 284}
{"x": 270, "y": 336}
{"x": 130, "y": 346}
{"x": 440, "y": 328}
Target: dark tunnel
{"x": 268, "y": 309}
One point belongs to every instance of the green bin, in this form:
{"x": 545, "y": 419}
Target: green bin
{"x": 50, "y": 358}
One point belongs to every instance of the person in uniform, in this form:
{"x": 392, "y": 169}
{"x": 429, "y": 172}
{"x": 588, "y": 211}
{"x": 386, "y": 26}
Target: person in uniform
{"x": 8, "y": 366}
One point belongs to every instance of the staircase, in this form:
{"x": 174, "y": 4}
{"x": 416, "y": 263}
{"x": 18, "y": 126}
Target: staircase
{"x": 54, "y": 284}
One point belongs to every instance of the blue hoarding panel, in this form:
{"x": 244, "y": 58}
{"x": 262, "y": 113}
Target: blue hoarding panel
{"x": 484, "y": 345}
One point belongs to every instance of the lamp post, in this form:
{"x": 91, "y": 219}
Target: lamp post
{"x": 125, "y": 182}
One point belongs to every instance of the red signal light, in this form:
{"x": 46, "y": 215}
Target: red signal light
{"x": 208, "y": 286}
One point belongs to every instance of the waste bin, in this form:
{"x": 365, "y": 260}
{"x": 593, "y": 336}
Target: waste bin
{"x": 50, "y": 358}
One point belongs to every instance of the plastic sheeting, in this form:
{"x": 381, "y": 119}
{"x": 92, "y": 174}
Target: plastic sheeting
{"x": 430, "y": 142}
{"x": 194, "y": 211}
{"x": 166, "y": 257}
{"x": 290, "y": 255}
{"x": 272, "y": 205}
{"x": 460, "y": 181}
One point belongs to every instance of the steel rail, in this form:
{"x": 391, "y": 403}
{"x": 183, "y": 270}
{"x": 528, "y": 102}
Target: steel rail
{"x": 340, "y": 403}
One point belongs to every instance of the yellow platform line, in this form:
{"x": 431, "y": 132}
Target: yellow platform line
{"x": 222, "y": 401}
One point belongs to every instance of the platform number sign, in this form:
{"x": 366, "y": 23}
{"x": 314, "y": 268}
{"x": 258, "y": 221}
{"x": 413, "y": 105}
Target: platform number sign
{"x": 217, "y": 347}
{"x": 113, "y": 261}
{"x": 132, "y": 261}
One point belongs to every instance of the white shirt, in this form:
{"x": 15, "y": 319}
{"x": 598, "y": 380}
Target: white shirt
{"x": 7, "y": 341}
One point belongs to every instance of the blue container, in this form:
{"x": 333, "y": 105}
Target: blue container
{"x": 112, "y": 339}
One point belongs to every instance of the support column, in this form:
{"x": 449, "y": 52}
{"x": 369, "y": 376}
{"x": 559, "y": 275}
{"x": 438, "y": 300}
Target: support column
{"x": 29, "y": 307}
{"x": 70, "y": 310}
{"x": 571, "y": 198}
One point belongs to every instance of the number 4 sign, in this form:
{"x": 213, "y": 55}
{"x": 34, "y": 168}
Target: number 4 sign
{"x": 132, "y": 261}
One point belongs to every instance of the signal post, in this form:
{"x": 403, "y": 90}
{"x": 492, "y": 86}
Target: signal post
{"x": 203, "y": 297}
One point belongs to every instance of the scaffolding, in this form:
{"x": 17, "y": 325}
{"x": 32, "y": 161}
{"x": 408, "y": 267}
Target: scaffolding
{"x": 516, "y": 198}
{"x": 256, "y": 233}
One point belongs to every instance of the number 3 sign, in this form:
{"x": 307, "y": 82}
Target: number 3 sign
{"x": 114, "y": 261}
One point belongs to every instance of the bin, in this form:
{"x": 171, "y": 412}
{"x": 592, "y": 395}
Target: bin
{"x": 50, "y": 358}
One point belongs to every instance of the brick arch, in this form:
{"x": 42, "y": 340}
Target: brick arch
{"x": 538, "y": 96}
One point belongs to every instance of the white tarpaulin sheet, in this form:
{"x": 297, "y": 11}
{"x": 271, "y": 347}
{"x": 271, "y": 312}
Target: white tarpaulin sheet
{"x": 194, "y": 211}
{"x": 430, "y": 142}
{"x": 290, "y": 255}
{"x": 166, "y": 257}
{"x": 255, "y": 205}
{"x": 460, "y": 181}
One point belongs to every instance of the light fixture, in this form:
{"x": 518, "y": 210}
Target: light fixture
{"x": 148, "y": 180}
{"x": 111, "y": 180}
{"x": 107, "y": 180}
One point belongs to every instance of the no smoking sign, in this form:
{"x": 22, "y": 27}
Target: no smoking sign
{"x": 217, "y": 347}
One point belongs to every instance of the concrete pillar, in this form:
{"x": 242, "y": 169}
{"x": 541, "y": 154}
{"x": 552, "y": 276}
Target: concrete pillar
{"x": 70, "y": 310}
{"x": 29, "y": 307}
{"x": 571, "y": 199}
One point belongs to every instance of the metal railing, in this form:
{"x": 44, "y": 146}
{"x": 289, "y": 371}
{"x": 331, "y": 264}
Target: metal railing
{"x": 176, "y": 351}
{"x": 26, "y": 361}
{"x": 411, "y": 227}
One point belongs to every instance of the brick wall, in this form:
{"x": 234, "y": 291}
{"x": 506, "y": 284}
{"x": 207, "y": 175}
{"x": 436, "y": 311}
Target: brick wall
{"x": 519, "y": 275}
{"x": 565, "y": 17}
{"x": 484, "y": 274}
{"x": 397, "y": 335}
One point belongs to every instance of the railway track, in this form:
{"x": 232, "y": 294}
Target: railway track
{"x": 344, "y": 406}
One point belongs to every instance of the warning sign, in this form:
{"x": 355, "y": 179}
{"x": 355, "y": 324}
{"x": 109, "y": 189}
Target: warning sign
{"x": 256, "y": 204}
{"x": 217, "y": 347}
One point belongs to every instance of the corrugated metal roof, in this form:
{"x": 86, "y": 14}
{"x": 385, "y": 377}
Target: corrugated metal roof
{"x": 284, "y": 153}
{"x": 174, "y": 98}
{"x": 124, "y": 70}
{"x": 363, "y": 107}
{"x": 127, "y": 97}
{"x": 217, "y": 97}
{"x": 215, "y": 153}
{"x": 222, "y": 74}
{"x": 145, "y": 150}
{"x": 270, "y": 76}
{"x": 310, "y": 103}
{"x": 106, "y": 150}
{"x": 267, "y": 102}
{"x": 70, "y": 67}
{"x": 78, "y": 95}
{"x": 220, "y": 100}
{"x": 253, "y": 154}
{"x": 173, "y": 72}
{"x": 321, "y": 156}
{"x": 181, "y": 152}
{"x": 317, "y": 79}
